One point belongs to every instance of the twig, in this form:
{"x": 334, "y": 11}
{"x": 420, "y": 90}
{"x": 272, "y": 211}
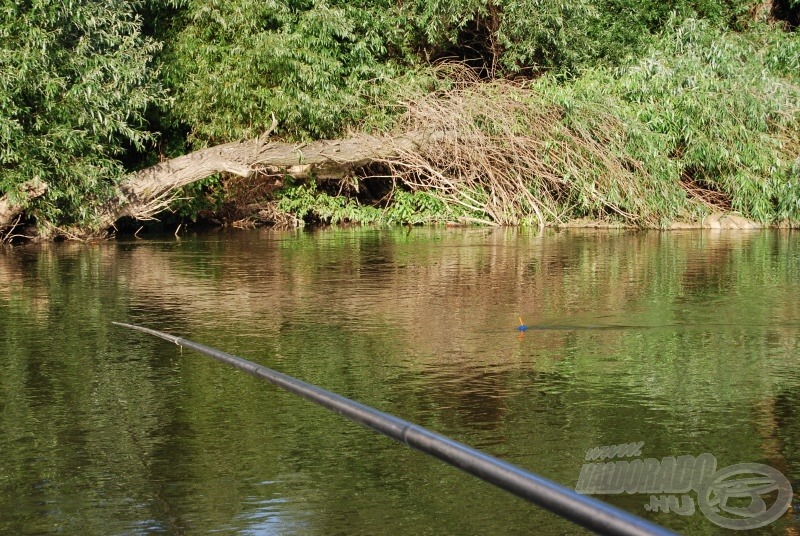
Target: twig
{"x": 13, "y": 226}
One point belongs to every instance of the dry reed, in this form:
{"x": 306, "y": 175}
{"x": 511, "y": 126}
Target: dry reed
{"x": 504, "y": 154}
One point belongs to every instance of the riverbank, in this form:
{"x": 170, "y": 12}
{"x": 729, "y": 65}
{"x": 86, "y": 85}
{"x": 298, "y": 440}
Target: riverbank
{"x": 701, "y": 130}
{"x": 717, "y": 220}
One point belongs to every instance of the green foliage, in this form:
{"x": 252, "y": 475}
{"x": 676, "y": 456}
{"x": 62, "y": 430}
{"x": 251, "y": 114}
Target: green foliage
{"x": 697, "y": 103}
{"x": 704, "y": 109}
{"x": 707, "y": 120}
{"x": 787, "y": 186}
{"x": 324, "y": 65}
{"x": 546, "y": 34}
{"x": 74, "y": 82}
{"x": 725, "y": 107}
{"x": 306, "y": 202}
{"x": 678, "y": 101}
{"x": 207, "y": 195}
{"x": 318, "y": 66}
{"x": 621, "y": 30}
{"x": 557, "y": 36}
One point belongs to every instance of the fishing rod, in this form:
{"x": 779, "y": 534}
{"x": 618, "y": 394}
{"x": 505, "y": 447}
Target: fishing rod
{"x": 585, "y": 511}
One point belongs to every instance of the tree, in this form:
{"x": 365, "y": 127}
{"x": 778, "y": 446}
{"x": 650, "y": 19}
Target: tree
{"x": 74, "y": 83}
{"x": 318, "y": 66}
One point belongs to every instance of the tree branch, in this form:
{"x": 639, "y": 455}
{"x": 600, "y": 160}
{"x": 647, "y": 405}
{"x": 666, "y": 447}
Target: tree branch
{"x": 10, "y": 210}
{"x": 150, "y": 190}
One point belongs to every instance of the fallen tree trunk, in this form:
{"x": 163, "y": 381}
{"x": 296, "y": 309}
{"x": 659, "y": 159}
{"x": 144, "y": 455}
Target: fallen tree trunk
{"x": 9, "y": 210}
{"x": 150, "y": 191}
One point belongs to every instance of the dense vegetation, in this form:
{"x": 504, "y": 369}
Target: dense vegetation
{"x": 665, "y": 112}
{"x": 75, "y": 80}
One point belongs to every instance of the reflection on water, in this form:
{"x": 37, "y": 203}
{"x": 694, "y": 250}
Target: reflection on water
{"x": 689, "y": 342}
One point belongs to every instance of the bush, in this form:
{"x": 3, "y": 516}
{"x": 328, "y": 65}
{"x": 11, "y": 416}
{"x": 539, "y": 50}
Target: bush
{"x": 318, "y": 66}
{"x": 725, "y": 107}
{"x": 74, "y": 83}
{"x": 322, "y": 66}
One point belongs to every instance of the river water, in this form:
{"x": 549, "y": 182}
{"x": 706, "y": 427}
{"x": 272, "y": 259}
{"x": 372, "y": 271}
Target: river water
{"x": 687, "y": 342}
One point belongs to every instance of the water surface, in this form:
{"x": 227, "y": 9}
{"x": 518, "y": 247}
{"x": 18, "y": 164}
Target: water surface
{"x": 686, "y": 341}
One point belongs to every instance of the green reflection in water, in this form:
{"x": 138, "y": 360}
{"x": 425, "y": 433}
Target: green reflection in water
{"x": 686, "y": 341}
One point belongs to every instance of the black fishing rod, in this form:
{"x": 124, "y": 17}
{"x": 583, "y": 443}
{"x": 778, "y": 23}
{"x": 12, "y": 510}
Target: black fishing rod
{"x": 587, "y": 512}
